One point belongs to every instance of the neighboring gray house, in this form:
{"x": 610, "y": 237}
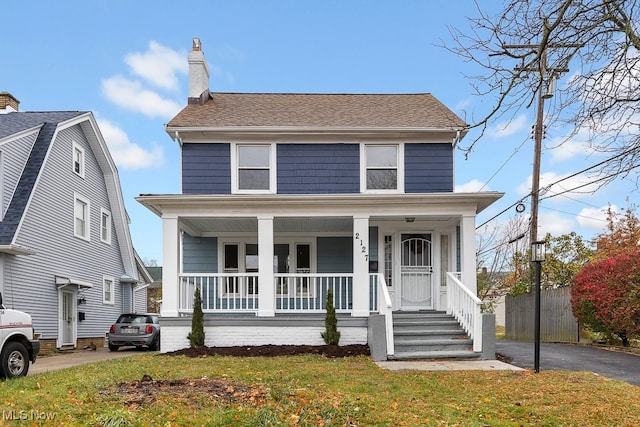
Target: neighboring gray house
{"x": 66, "y": 255}
{"x": 285, "y": 196}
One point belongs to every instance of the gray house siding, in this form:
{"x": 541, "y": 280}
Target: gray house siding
{"x": 428, "y": 168}
{"x": 200, "y": 254}
{"x": 48, "y": 228}
{"x": 206, "y": 168}
{"x": 13, "y": 156}
{"x": 318, "y": 168}
{"x": 140, "y": 300}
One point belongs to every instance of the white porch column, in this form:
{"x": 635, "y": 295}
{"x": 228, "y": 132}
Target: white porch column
{"x": 266, "y": 285}
{"x": 468, "y": 252}
{"x": 360, "y": 266}
{"x": 170, "y": 265}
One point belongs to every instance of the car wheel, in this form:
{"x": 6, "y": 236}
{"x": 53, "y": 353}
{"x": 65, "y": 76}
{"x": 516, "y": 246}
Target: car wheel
{"x": 113, "y": 347}
{"x": 155, "y": 346}
{"x": 15, "y": 360}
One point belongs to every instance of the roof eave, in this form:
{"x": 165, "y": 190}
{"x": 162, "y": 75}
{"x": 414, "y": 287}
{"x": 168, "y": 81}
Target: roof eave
{"x": 13, "y": 249}
{"x": 195, "y": 133}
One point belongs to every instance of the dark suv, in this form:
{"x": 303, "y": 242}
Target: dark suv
{"x": 135, "y": 329}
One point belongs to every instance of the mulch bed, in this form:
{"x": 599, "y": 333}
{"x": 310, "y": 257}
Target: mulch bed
{"x": 331, "y": 351}
{"x": 146, "y": 391}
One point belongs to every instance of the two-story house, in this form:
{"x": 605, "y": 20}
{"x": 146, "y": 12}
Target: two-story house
{"x": 66, "y": 255}
{"x": 285, "y": 196}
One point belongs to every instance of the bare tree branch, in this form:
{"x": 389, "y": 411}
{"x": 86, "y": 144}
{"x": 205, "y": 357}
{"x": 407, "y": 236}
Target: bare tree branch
{"x": 598, "y": 39}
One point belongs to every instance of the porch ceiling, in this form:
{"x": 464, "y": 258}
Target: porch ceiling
{"x": 203, "y": 226}
{"x": 280, "y": 225}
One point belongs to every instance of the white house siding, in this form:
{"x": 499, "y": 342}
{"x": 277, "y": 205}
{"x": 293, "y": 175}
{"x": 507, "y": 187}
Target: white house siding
{"x": 48, "y": 229}
{"x": 14, "y": 156}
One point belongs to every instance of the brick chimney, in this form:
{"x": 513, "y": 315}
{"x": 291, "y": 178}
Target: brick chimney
{"x": 8, "y": 104}
{"x": 198, "y": 75}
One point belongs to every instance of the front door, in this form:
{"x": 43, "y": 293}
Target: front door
{"x": 416, "y": 272}
{"x": 67, "y": 322}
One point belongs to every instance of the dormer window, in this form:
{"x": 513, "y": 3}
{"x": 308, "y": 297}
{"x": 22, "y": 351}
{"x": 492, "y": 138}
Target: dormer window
{"x": 78, "y": 160}
{"x": 254, "y": 170}
{"x": 381, "y": 171}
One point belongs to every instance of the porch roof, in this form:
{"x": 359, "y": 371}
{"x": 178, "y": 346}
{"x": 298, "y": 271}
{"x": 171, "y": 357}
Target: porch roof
{"x": 314, "y": 205}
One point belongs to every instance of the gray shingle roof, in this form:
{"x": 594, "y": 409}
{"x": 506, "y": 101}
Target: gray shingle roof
{"x": 15, "y": 122}
{"x": 12, "y": 123}
{"x": 319, "y": 111}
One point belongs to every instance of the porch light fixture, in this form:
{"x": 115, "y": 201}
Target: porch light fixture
{"x": 82, "y": 301}
{"x": 538, "y": 254}
{"x": 409, "y": 218}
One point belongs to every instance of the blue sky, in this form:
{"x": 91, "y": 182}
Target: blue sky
{"x": 126, "y": 61}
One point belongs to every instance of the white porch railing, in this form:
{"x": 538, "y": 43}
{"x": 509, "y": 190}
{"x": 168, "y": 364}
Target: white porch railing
{"x": 384, "y": 307}
{"x": 307, "y": 292}
{"x": 223, "y": 292}
{"x": 466, "y": 308}
{"x": 238, "y": 292}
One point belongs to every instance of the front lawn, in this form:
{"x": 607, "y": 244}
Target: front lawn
{"x": 310, "y": 390}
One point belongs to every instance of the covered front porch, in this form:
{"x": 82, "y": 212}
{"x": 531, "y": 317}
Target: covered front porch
{"x": 276, "y": 256}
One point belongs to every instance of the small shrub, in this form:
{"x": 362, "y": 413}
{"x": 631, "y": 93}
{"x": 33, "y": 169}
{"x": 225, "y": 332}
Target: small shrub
{"x": 196, "y": 336}
{"x": 331, "y": 336}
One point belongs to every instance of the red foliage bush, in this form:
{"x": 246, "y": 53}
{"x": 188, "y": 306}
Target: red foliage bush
{"x": 606, "y": 296}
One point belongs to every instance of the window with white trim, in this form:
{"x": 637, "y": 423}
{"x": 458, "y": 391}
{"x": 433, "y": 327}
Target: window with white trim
{"x": 382, "y": 169}
{"x": 81, "y": 217}
{"x": 105, "y": 226}
{"x": 108, "y": 296}
{"x": 254, "y": 168}
{"x": 78, "y": 160}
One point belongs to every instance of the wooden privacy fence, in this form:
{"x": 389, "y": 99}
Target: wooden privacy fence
{"x": 557, "y": 323}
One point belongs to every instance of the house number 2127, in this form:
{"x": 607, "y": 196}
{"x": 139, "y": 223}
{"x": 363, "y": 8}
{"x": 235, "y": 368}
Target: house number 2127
{"x": 363, "y": 248}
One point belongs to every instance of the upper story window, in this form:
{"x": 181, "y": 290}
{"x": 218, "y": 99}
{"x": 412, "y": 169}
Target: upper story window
{"x": 78, "y": 160}
{"x": 382, "y": 168}
{"x": 254, "y": 168}
{"x": 105, "y": 226}
{"x": 81, "y": 214}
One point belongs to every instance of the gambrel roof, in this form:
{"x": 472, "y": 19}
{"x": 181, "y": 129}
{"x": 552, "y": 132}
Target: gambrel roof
{"x": 355, "y": 111}
{"x": 46, "y": 125}
{"x": 11, "y": 124}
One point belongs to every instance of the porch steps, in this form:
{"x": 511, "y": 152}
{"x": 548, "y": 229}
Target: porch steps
{"x": 430, "y": 335}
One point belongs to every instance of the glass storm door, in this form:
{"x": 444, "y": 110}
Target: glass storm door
{"x": 68, "y": 318}
{"x": 416, "y": 272}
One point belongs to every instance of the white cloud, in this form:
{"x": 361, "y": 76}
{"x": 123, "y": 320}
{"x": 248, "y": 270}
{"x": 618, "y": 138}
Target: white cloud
{"x": 125, "y": 153}
{"x": 575, "y": 186}
{"x": 159, "y": 65}
{"x": 594, "y": 218}
{"x": 508, "y": 128}
{"x": 131, "y": 95}
{"x": 554, "y": 224}
{"x": 471, "y": 187}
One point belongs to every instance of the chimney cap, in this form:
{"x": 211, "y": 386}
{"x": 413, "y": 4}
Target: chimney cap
{"x": 196, "y": 44}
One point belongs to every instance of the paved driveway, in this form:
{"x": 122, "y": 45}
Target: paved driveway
{"x": 67, "y": 359}
{"x": 573, "y": 357}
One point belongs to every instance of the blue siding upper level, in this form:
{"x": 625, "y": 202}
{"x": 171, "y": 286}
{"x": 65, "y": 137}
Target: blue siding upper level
{"x": 428, "y": 168}
{"x": 318, "y": 168}
{"x": 206, "y": 168}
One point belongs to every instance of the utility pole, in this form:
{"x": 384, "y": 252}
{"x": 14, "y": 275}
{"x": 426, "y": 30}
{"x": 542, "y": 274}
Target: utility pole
{"x": 538, "y": 132}
{"x": 537, "y": 151}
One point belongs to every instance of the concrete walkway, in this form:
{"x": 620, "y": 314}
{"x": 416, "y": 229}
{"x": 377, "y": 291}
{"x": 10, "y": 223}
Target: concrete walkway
{"x": 448, "y": 365}
{"x": 69, "y": 358}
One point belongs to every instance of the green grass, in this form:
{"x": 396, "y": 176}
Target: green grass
{"x": 315, "y": 391}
